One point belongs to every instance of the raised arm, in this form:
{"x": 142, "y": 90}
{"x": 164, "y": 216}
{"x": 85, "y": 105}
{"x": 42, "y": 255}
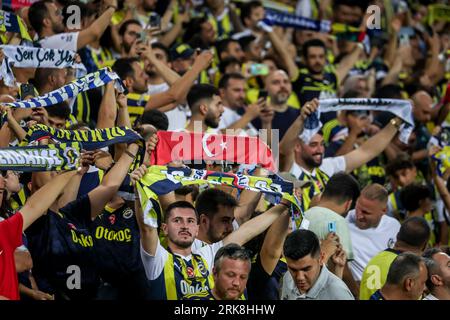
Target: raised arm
{"x": 347, "y": 63}
{"x": 178, "y": 91}
{"x": 372, "y": 147}
{"x": 96, "y": 29}
{"x": 42, "y": 199}
{"x": 257, "y": 225}
{"x": 169, "y": 75}
{"x": 107, "y": 112}
{"x": 149, "y": 235}
{"x": 291, "y": 135}
{"x": 100, "y": 196}
{"x": 273, "y": 243}
{"x": 287, "y": 60}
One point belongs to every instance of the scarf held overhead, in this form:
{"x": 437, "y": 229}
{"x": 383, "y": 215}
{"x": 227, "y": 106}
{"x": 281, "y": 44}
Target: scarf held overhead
{"x": 31, "y": 57}
{"x": 9, "y": 22}
{"x": 90, "y": 81}
{"x": 400, "y": 108}
{"x": 40, "y": 158}
{"x": 188, "y": 146}
{"x": 160, "y": 180}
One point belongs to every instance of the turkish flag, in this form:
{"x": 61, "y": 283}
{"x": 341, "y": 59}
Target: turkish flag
{"x": 188, "y": 146}
{"x": 17, "y": 4}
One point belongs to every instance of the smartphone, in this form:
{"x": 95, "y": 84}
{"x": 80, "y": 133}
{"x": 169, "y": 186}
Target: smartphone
{"x": 154, "y": 21}
{"x": 27, "y": 90}
{"x": 142, "y": 36}
{"x": 404, "y": 39}
{"x": 262, "y": 94}
{"x": 332, "y": 226}
{"x": 259, "y": 69}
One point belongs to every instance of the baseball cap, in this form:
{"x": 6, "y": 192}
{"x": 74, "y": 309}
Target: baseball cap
{"x": 297, "y": 183}
{"x": 181, "y": 51}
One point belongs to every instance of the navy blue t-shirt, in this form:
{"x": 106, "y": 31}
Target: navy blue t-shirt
{"x": 281, "y": 121}
{"x": 62, "y": 250}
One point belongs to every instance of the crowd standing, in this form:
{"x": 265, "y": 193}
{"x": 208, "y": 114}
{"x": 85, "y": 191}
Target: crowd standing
{"x": 375, "y": 208}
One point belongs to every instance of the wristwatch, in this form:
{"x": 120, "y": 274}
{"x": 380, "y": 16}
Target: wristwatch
{"x": 396, "y": 122}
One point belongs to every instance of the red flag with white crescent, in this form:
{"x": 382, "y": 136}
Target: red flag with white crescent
{"x": 189, "y": 146}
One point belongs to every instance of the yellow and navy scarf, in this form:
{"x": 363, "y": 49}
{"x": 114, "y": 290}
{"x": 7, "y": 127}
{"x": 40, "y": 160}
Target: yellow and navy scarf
{"x": 51, "y": 157}
{"x": 161, "y": 180}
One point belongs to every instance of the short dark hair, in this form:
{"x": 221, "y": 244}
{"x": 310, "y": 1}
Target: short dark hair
{"x": 41, "y": 76}
{"x": 402, "y": 161}
{"x": 414, "y": 232}
{"x": 312, "y": 43}
{"x": 300, "y": 243}
{"x": 231, "y": 251}
{"x": 191, "y": 189}
{"x": 124, "y": 26}
{"x": 404, "y": 265}
{"x": 223, "y": 44}
{"x": 413, "y": 194}
{"x": 209, "y": 200}
{"x": 178, "y": 204}
{"x": 342, "y": 187}
{"x": 389, "y": 91}
{"x": 223, "y": 82}
{"x": 37, "y": 13}
{"x": 199, "y": 93}
{"x": 124, "y": 67}
{"x": 226, "y": 62}
{"x": 156, "y": 118}
{"x": 247, "y": 8}
{"x": 159, "y": 45}
{"x": 60, "y": 110}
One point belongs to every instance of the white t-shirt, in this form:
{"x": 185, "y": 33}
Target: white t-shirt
{"x": 229, "y": 116}
{"x": 369, "y": 242}
{"x": 179, "y": 115}
{"x": 154, "y": 265}
{"x": 65, "y": 41}
{"x": 329, "y": 166}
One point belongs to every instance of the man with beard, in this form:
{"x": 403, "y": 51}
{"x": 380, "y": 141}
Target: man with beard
{"x": 317, "y": 79}
{"x": 206, "y": 108}
{"x": 135, "y": 80}
{"x": 179, "y": 270}
{"x": 129, "y": 32}
{"x": 279, "y": 89}
{"x": 216, "y": 214}
{"x": 232, "y": 265}
{"x": 438, "y": 282}
{"x": 160, "y": 81}
{"x": 47, "y": 20}
{"x": 236, "y": 115}
{"x": 305, "y": 160}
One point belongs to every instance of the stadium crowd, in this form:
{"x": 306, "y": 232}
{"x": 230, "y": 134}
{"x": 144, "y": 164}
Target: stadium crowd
{"x": 94, "y": 96}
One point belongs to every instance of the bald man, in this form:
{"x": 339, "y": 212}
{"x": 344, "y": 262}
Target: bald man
{"x": 278, "y": 114}
{"x": 422, "y": 106}
{"x": 422, "y": 112}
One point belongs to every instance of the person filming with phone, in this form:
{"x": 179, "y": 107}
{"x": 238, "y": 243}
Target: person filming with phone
{"x": 277, "y": 114}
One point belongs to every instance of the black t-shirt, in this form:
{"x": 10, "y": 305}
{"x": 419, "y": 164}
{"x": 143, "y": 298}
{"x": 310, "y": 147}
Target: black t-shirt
{"x": 261, "y": 285}
{"x": 117, "y": 251}
{"x": 281, "y": 120}
{"x": 62, "y": 250}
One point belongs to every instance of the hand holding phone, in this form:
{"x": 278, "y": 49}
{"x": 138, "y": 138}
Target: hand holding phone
{"x": 26, "y": 91}
{"x": 332, "y": 226}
